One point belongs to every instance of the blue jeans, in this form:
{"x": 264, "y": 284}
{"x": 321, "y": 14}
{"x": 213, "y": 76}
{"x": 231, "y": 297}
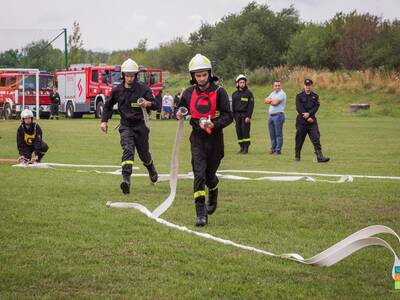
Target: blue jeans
{"x": 275, "y": 125}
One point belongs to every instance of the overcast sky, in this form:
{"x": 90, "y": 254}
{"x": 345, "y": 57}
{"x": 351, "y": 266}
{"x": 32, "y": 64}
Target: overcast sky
{"x": 120, "y": 24}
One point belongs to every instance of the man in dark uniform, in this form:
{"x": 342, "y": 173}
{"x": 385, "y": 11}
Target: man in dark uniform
{"x": 55, "y": 102}
{"x": 133, "y": 130}
{"x": 242, "y": 107}
{"x": 307, "y": 104}
{"x": 29, "y": 139}
{"x": 208, "y": 105}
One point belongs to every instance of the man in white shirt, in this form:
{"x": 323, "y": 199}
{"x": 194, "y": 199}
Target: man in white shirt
{"x": 277, "y": 102}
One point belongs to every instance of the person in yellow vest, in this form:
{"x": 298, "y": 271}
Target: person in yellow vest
{"x": 208, "y": 105}
{"x": 242, "y": 108}
{"x": 29, "y": 139}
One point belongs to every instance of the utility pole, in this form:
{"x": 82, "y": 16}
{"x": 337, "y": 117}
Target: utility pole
{"x": 65, "y": 49}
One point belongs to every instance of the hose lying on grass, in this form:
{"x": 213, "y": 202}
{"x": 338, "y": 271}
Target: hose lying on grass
{"x": 334, "y": 254}
{"x": 339, "y": 251}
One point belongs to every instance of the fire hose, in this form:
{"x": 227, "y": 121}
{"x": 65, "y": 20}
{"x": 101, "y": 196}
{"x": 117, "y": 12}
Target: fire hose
{"x": 363, "y": 238}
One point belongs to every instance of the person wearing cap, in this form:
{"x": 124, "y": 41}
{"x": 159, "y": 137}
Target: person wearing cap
{"x": 133, "y": 131}
{"x": 209, "y": 107}
{"x": 29, "y": 139}
{"x": 307, "y": 105}
{"x": 242, "y": 108}
{"x": 277, "y": 103}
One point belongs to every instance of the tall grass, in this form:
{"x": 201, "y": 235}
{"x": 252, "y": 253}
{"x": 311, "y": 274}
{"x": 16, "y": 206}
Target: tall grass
{"x": 352, "y": 81}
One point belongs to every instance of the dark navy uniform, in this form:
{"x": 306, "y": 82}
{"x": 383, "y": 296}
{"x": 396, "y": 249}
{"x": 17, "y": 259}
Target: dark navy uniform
{"x": 308, "y": 103}
{"x": 207, "y": 149}
{"x": 242, "y": 107}
{"x": 55, "y": 102}
{"x": 29, "y": 140}
{"x": 133, "y": 131}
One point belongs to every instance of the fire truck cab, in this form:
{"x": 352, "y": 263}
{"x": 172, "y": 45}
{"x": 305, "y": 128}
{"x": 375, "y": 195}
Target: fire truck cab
{"x": 153, "y": 78}
{"x": 19, "y": 90}
{"x": 84, "y": 88}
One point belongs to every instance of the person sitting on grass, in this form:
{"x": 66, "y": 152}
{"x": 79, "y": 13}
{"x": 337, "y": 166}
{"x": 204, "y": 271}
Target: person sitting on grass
{"x": 29, "y": 139}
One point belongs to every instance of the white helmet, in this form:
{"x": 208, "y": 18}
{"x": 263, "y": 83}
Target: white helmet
{"x": 129, "y": 66}
{"x": 241, "y": 76}
{"x": 199, "y": 63}
{"x": 26, "y": 113}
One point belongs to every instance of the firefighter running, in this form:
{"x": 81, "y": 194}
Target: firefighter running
{"x": 242, "y": 107}
{"x": 29, "y": 139}
{"x": 209, "y": 108}
{"x": 133, "y": 131}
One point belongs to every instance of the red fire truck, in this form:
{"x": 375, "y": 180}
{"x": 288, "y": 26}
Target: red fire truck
{"x": 83, "y": 88}
{"x": 25, "y": 88}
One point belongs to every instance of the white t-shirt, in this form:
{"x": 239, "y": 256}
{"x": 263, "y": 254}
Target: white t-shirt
{"x": 167, "y": 100}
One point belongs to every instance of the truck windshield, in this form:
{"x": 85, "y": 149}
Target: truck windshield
{"x": 142, "y": 77}
{"x": 149, "y": 78}
{"x": 155, "y": 77}
{"x": 45, "y": 82}
{"x": 115, "y": 77}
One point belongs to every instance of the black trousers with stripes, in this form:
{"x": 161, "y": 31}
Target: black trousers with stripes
{"x": 207, "y": 153}
{"x": 135, "y": 137}
{"x": 242, "y": 128}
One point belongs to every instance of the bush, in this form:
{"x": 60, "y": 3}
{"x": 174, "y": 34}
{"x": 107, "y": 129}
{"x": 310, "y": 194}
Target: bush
{"x": 354, "y": 81}
{"x": 267, "y": 76}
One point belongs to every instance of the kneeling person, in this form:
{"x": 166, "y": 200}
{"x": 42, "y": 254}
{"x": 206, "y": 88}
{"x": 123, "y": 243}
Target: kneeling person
{"x": 29, "y": 139}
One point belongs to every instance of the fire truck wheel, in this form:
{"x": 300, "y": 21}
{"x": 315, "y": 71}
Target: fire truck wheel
{"x": 99, "y": 109}
{"x": 7, "y": 112}
{"x": 69, "y": 112}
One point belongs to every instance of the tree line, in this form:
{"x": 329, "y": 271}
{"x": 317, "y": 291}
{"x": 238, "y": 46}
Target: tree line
{"x": 254, "y": 38}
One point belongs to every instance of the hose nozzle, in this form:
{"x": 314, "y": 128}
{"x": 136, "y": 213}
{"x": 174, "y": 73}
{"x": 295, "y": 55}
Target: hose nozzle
{"x": 141, "y": 101}
{"x": 183, "y": 111}
{"x": 206, "y": 124}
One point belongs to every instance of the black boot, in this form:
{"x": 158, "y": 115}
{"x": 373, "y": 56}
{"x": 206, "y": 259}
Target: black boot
{"x": 245, "y": 148}
{"x": 212, "y": 201}
{"x": 241, "y": 149}
{"x": 152, "y": 172}
{"x": 126, "y": 184}
{"x": 39, "y": 157}
{"x": 297, "y": 156}
{"x": 201, "y": 212}
{"x": 320, "y": 156}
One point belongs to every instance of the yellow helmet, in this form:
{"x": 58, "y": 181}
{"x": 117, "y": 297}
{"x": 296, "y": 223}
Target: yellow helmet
{"x": 129, "y": 66}
{"x": 199, "y": 63}
{"x": 241, "y": 76}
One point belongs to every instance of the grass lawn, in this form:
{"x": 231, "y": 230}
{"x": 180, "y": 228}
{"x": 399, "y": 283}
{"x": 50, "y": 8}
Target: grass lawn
{"x": 58, "y": 239}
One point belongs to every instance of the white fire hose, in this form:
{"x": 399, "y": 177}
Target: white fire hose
{"x": 173, "y": 173}
{"x": 146, "y": 118}
{"x": 339, "y": 251}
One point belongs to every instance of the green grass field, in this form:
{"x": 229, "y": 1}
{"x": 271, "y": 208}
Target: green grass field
{"x": 58, "y": 239}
